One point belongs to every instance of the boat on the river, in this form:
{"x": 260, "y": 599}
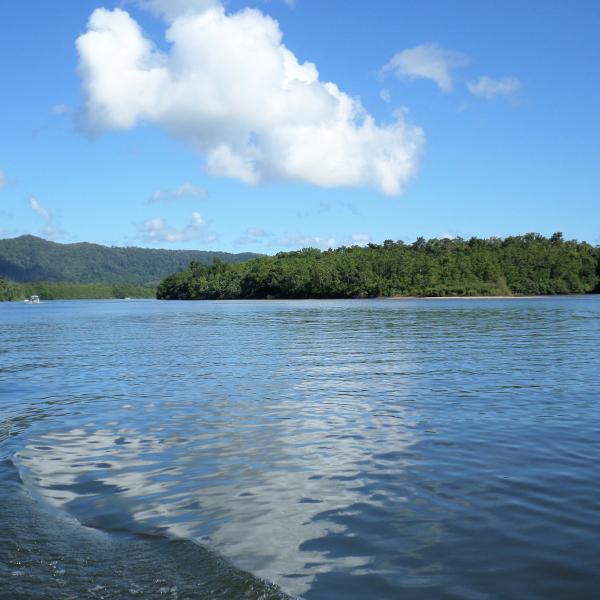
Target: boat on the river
{"x": 33, "y": 300}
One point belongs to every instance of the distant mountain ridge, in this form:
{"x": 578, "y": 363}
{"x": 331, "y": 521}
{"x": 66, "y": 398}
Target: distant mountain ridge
{"x": 32, "y": 259}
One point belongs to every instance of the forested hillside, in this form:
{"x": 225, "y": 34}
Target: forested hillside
{"x": 32, "y": 259}
{"x": 528, "y": 264}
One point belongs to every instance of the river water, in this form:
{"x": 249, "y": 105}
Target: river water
{"x": 322, "y": 449}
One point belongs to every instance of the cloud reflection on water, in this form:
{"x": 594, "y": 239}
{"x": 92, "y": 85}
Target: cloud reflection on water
{"x": 255, "y": 478}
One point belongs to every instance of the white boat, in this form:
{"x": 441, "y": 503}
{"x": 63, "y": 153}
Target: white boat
{"x": 33, "y": 300}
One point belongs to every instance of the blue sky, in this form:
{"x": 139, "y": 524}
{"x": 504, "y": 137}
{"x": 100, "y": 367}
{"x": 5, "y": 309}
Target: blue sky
{"x": 486, "y": 121}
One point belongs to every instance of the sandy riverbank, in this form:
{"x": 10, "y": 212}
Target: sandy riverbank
{"x": 514, "y": 297}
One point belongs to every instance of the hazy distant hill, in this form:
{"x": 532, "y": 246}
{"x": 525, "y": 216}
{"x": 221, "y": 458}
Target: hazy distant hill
{"x": 29, "y": 258}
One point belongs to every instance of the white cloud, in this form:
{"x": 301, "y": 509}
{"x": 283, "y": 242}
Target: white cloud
{"x": 427, "y": 61}
{"x": 3, "y": 179}
{"x": 253, "y": 236}
{"x": 305, "y": 241}
{"x": 185, "y": 190}
{"x": 39, "y": 210}
{"x": 229, "y": 86}
{"x": 50, "y": 230}
{"x": 258, "y": 232}
{"x": 487, "y": 87}
{"x": 385, "y": 95}
{"x": 158, "y": 230}
{"x": 360, "y": 239}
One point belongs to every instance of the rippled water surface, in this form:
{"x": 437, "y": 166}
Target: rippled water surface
{"x": 323, "y": 449}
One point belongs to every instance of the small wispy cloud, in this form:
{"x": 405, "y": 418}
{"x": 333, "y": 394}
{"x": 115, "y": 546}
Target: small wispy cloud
{"x": 50, "y": 230}
{"x": 332, "y": 206}
{"x": 253, "y": 236}
{"x": 39, "y": 210}
{"x": 488, "y": 87}
{"x": 296, "y": 241}
{"x": 360, "y": 239}
{"x": 427, "y": 61}
{"x": 3, "y": 179}
{"x": 385, "y": 95}
{"x": 62, "y": 109}
{"x": 185, "y": 190}
{"x": 305, "y": 241}
{"x": 158, "y": 230}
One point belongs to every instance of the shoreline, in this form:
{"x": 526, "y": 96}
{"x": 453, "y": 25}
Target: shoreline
{"x": 494, "y": 297}
{"x": 511, "y": 297}
{"x": 355, "y": 298}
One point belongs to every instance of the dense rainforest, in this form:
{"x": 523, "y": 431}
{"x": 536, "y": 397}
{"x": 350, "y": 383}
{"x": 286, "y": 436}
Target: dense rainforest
{"x": 527, "y": 264}
{"x": 32, "y": 259}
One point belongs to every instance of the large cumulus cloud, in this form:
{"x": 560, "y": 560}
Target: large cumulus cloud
{"x": 229, "y": 86}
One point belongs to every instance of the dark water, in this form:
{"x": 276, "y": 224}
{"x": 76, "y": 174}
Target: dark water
{"x": 337, "y": 449}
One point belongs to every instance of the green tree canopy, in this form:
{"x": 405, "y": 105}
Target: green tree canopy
{"x": 527, "y": 264}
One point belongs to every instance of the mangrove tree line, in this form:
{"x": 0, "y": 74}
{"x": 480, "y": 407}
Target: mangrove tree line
{"x": 526, "y": 264}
